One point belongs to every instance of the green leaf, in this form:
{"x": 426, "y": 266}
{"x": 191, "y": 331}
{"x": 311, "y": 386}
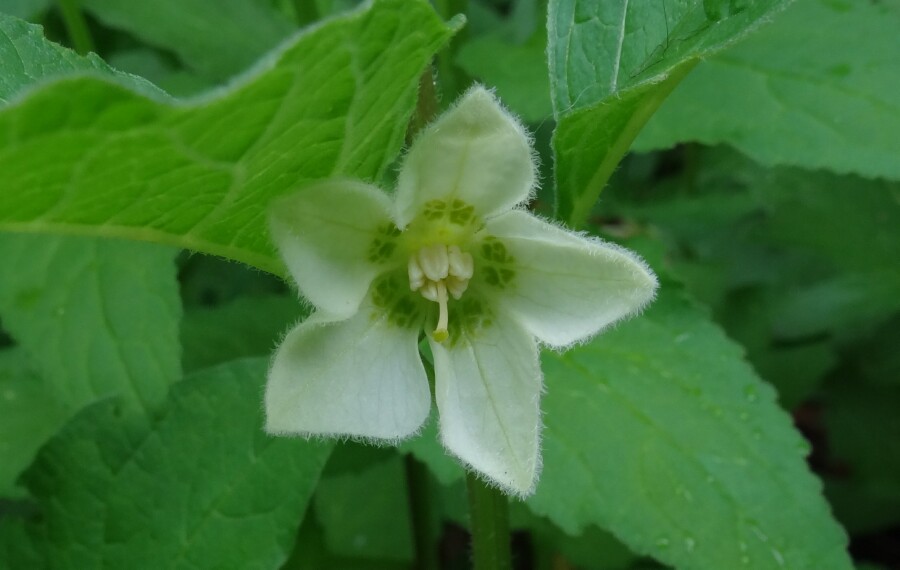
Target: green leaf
{"x": 517, "y": 71}
{"x": 29, "y": 415}
{"x": 360, "y": 523}
{"x": 28, "y": 59}
{"x": 200, "y": 487}
{"x": 95, "y": 317}
{"x": 217, "y": 38}
{"x": 611, "y": 66}
{"x": 83, "y": 155}
{"x": 24, "y": 8}
{"x": 661, "y": 433}
{"x": 863, "y": 430}
{"x": 160, "y": 70}
{"x": 426, "y": 446}
{"x": 248, "y": 326}
{"x": 813, "y": 89}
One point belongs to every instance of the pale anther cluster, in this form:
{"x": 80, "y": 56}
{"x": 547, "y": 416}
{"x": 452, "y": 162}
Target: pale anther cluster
{"x": 436, "y": 270}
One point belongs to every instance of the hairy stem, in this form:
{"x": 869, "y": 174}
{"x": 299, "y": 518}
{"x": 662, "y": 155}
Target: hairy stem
{"x": 489, "y": 519}
{"x": 426, "y": 105}
{"x": 76, "y": 26}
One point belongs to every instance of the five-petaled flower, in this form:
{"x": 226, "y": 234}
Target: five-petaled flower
{"x": 456, "y": 255}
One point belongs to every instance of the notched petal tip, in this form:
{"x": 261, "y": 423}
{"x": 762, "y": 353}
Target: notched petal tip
{"x": 476, "y": 152}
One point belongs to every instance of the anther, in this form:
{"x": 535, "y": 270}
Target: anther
{"x": 436, "y": 270}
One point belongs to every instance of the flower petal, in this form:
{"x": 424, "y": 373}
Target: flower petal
{"x": 567, "y": 287}
{"x": 475, "y": 152}
{"x": 324, "y": 234}
{"x": 488, "y": 389}
{"x": 359, "y": 377}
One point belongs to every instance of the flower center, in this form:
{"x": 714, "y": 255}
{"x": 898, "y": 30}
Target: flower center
{"x": 436, "y": 270}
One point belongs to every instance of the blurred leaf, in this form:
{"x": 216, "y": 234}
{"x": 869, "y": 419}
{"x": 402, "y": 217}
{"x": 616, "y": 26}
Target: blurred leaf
{"x": 863, "y": 429}
{"x": 511, "y": 55}
{"x": 365, "y": 514}
{"x": 795, "y": 264}
{"x": 84, "y": 155}
{"x": 427, "y": 447}
{"x": 27, "y": 59}
{"x": 661, "y": 433}
{"x": 351, "y": 457}
{"x": 247, "y": 326}
{"x": 310, "y": 553}
{"x": 217, "y": 38}
{"x": 95, "y": 317}
{"x": 24, "y": 9}
{"x": 29, "y": 415}
{"x": 200, "y": 486}
{"x": 815, "y": 89}
{"x": 593, "y": 549}
{"x": 612, "y": 64}
{"x": 208, "y": 281}
{"x": 518, "y": 71}
{"x": 879, "y": 359}
{"x": 151, "y": 65}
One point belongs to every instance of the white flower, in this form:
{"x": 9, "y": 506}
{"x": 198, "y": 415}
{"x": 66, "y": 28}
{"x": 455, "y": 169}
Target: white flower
{"x": 454, "y": 254}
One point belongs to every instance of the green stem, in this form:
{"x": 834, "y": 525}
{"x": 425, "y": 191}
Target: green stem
{"x": 424, "y": 520}
{"x": 452, "y": 79}
{"x": 489, "y": 518}
{"x": 76, "y": 26}
{"x": 576, "y": 214}
{"x": 426, "y": 105}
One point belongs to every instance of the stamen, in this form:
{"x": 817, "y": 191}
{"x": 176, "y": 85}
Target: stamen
{"x": 461, "y": 264}
{"x": 434, "y": 262}
{"x": 416, "y": 275}
{"x": 436, "y": 270}
{"x": 440, "y": 333}
{"x": 456, "y": 286}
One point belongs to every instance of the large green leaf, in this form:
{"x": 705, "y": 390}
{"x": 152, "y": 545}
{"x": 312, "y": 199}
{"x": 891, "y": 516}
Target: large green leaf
{"x": 95, "y": 317}
{"x": 661, "y": 433}
{"x": 29, "y": 415}
{"x": 24, "y": 8}
{"x": 27, "y": 59}
{"x": 360, "y": 523}
{"x": 86, "y": 155}
{"x": 217, "y": 38}
{"x": 817, "y": 88}
{"x": 612, "y": 64}
{"x": 200, "y": 487}
{"x": 248, "y": 326}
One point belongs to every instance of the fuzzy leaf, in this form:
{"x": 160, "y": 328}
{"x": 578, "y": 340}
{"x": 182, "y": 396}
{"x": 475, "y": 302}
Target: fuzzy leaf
{"x": 612, "y": 64}
{"x": 660, "y": 432}
{"x": 95, "y": 317}
{"x": 814, "y": 89}
{"x": 200, "y": 487}
{"x": 83, "y": 154}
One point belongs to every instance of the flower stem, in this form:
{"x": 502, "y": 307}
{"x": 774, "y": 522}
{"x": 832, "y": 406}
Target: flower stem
{"x": 76, "y": 26}
{"x": 489, "y": 518}
{"x": 452, "y": 79}
{"x": 424, "y": 521}
{"x": 426, "y": 105}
